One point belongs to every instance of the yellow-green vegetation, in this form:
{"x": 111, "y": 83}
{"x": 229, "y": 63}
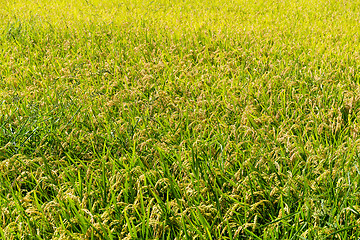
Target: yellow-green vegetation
{"x": 179, "y": 119}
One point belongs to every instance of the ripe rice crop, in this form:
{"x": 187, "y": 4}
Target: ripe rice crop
{"x": 181, "y": 119}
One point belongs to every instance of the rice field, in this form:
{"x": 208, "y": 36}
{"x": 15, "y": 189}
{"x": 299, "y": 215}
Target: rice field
{"x": 179, "y": 119}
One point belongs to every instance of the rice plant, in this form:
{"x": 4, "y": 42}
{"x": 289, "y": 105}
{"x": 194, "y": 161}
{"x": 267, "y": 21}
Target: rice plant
{"x": 179, "y": 119}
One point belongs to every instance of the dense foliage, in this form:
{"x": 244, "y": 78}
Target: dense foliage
{"x": 179, "y": 119}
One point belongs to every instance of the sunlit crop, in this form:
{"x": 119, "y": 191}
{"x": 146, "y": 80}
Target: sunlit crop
{"x": 181, "y": 119}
